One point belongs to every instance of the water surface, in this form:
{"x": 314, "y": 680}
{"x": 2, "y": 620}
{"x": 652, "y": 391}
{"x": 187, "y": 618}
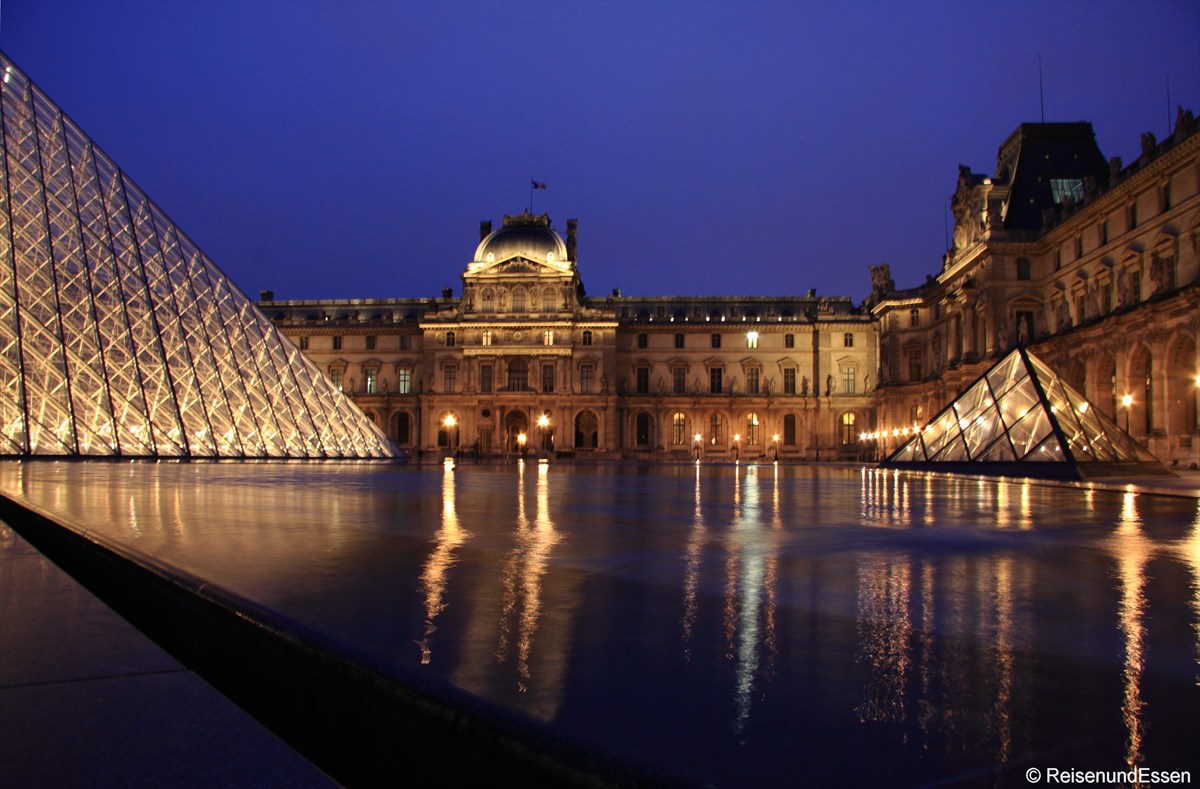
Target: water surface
{"x": 733, "y": 626}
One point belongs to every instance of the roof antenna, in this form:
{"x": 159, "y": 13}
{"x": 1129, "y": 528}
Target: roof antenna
{"x": 1168, "y": 106}
{"x": 1041, "y": 93}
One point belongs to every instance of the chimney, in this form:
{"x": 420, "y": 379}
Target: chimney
{"x": 447, "y": 293}
{"x": 485, "y": 229}
{"x": 266, "y": 295}
{"x": 572, "y": 227}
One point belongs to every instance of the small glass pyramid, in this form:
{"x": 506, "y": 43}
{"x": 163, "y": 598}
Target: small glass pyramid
{"x": 1021, "y": 419}
{"x": 119, "y": 337}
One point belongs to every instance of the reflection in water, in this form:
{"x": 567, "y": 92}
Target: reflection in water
{"x": 531, "y": 617}
{"x": 691, "y": 568}
{"x": 433, "y": 576}
{"x": 1132, "y": 550}
{"x": 942, "y": 640}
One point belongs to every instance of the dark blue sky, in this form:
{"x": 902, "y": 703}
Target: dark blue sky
{"x": 351, "y": 149}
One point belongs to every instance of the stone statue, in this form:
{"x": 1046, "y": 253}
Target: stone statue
{"x": 1002, "y": 335}
{"x": 881, "y": 281}
{"x": 1093, "y": 302}
{"x": 1022, "y": 331}
{"x": 1124, "y": 294}
{"x": 1148, "y": 143}
{"x": 804, "y": 386}
{"x": 828, "y": 384}
{"x": 1064, "y": 315}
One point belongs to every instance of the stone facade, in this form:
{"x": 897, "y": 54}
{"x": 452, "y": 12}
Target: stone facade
{"x": 523, "y": 361}
{"x": 1091, "y": 265}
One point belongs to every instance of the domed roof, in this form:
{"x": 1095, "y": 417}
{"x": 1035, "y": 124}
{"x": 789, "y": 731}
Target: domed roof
{"x": 526, "y": 236}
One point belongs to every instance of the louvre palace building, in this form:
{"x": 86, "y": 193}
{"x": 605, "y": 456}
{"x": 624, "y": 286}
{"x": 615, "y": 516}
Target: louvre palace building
{"x": 1086, "y": 262}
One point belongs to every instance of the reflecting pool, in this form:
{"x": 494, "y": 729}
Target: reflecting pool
{"x": 730, "y": 625}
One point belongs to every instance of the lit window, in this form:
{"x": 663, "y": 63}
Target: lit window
{"x": 486, "y": 338}
{"x": 848, "y": 380}
{"x": 678, "y": 429}
{"x": 404, "y": 381}
{"x": 1066, "y": 189}
{"x": 848, "y": 435}
{"x": 751, "y": 339}
{"x": 335, "y": 375}
{"x": 371, "y": 380}
{"x": 752, "y": 429}
{"x": 548, "y": 337}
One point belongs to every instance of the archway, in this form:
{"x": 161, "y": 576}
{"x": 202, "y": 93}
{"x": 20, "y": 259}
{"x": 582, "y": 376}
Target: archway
{"x": 587, "y": 430}
{"x": 516, "y": 431}
{"x": 1104, "y": 386}
{"x": 1139, "y": 420}
{"x": 1182, "y": 388}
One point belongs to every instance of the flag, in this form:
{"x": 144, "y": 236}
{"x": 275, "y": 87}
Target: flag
{"x": 538, "y": 185}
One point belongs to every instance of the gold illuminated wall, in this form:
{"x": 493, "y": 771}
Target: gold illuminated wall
{"x": 119, "y": 337}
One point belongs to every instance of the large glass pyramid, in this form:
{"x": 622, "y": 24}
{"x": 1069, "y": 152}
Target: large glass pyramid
{"x": 118, "y": 337}
{"x": 1021, "y": 419}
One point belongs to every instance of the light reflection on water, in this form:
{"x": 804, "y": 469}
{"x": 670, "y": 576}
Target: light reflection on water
{"x": 744, "y": 625}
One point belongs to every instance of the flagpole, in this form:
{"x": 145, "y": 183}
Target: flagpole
{"x": 531, "y": 182}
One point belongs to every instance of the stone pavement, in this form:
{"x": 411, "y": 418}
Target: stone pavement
{"x": 87, "y": 700}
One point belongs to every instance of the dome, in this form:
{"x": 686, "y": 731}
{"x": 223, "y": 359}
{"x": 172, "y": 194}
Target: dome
{"x": 526, "y": 236}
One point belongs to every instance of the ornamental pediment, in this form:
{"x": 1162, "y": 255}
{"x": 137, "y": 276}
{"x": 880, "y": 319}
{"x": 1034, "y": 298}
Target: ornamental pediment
{"x": 519, "y": 266}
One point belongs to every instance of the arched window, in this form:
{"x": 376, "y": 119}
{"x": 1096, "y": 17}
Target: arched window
{"x": 642, "y": 426}
{"x": 848, "y": 435}
{"x": 789, "y": 430}
{"x": 518, "y": 375}
{"x": 678, "y": 430}
{"x": 715, "y": 431}
{"x": 752, "y": 429}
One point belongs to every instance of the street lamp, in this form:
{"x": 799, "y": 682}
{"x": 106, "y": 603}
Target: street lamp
{"x": 737, "y": 453}
{"x": 696, "y": 448}
{"x": 521, "y": 439}
{"x": 543, "y": 423}
{"x": 775, "y": 446}
{"x": 1127, "y": 401}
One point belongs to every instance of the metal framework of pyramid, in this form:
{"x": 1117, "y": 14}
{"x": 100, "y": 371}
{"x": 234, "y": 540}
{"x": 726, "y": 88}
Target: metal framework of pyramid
{"x": 118, "y": 337}
{"x": 1021, "y": 419}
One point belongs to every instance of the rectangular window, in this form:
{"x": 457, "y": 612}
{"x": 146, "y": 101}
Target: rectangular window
{"x": 679, "y": 380}
{"x": 789, "y": 341}
{"x": 643, "y": 380}
{"x": 848, "y": 340}
{"x": 371, "y": 378}
{"x": 848, "y": 380}
{"x": 486, "y": 381}
{"x": 752, "y": 381}
{"x": 548, "y": 337}
{"x": 370, "y": 342}
{"x": 405, "y": 342}
{"x": 586, "y": 374}
{"x": 714, "y": 378}
{"x": 404, "y": 381}
{"x": 1024, "y": 268}
{"x": 587, "y": 338}
{"x": 716, "y": 341}
{"x": 486, "y": 338}
{"x": 1066, "y": 190}
{"x": 335, "y": 375}
{"x": 914, "y": 364}
{"x": 751, "y": 339}
{"x": 547, "y": 378}
{"x": 789, "y": 381}
{"x": 337, "y": 343}
{"x": 678, "y": 340}
{"x": 304, "y": 343}
{"x": 449, "y": 339}
{"x": 643, "y": 340}
{"x": 914, "y": 318}
{"x": 449, "y": 378}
